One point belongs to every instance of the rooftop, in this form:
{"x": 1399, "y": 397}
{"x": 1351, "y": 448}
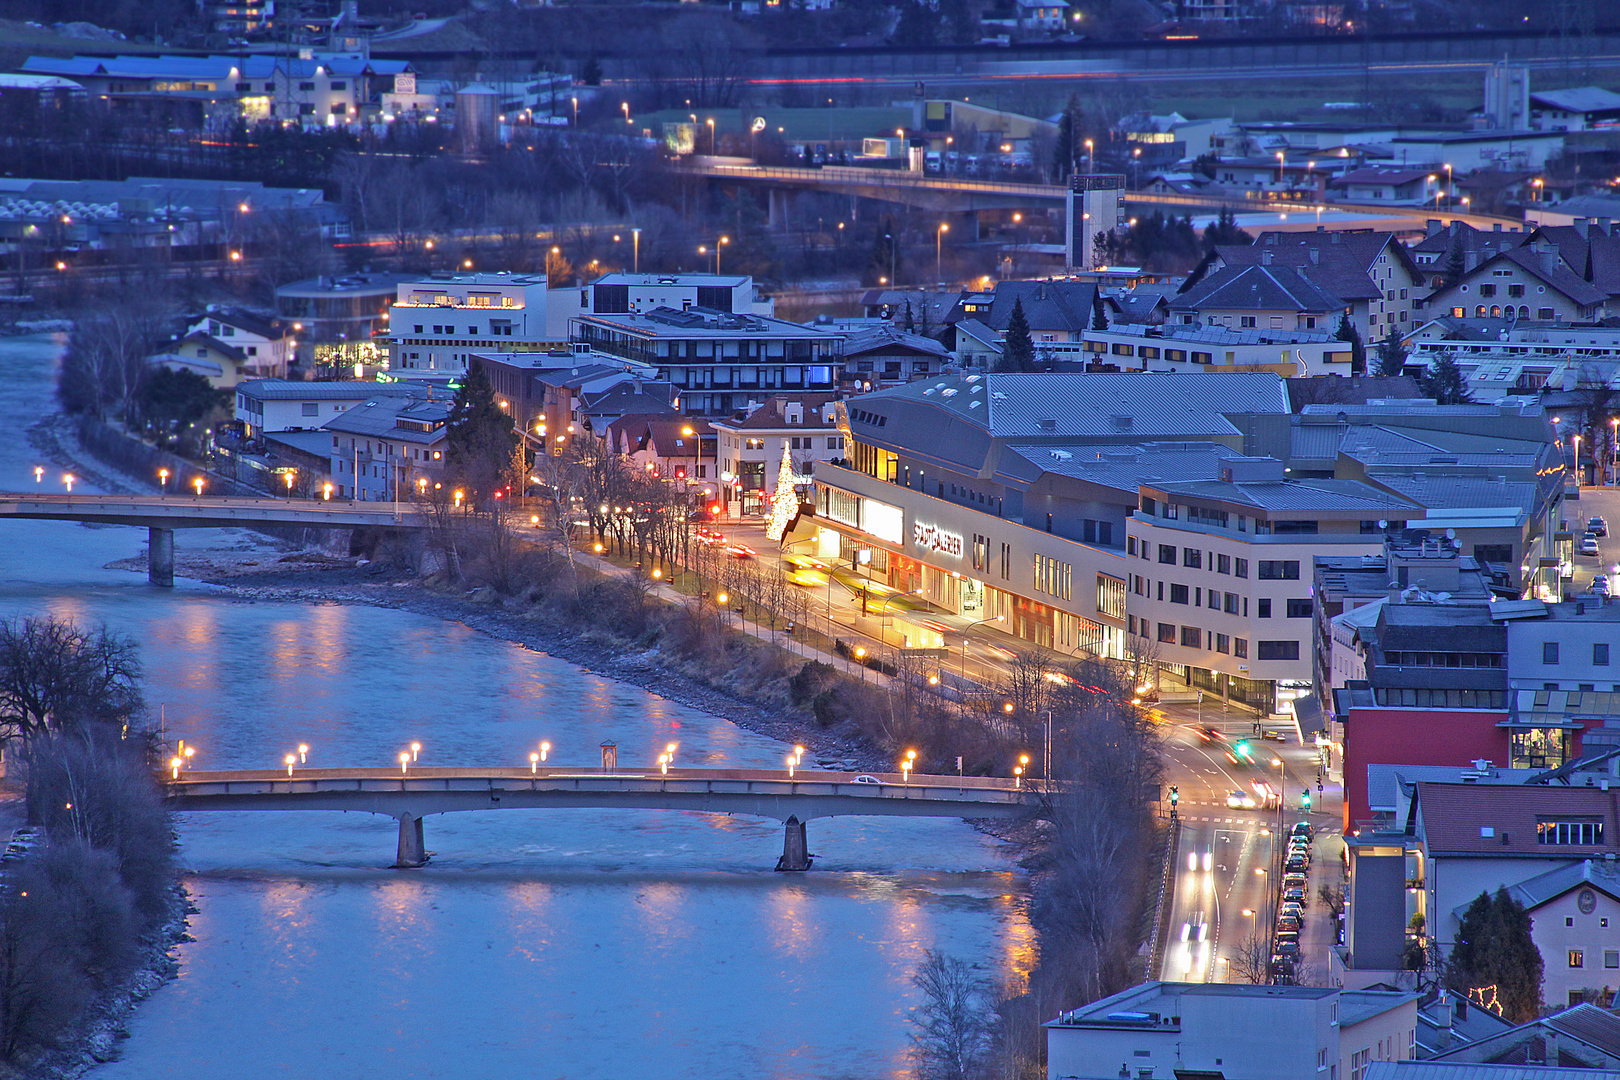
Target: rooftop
{"x": 296, "y": 390}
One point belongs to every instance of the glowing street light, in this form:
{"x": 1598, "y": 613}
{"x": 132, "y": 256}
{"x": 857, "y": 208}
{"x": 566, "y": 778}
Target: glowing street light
{"x": 174, "y": 767}
{"x": 303, "y": 753}
{"x": 416, "y": 748}
{"x": 908, "y": 763}
{"x": 663, "y": 764}
{"x": 326, "y": 491}
{"x": 1018, "y": 773}
{"x": 39, "y": 474}
{"x": 534, "y": 763}
{"x": 792, "y": 763}
{"x": 68, "y": 478}
{"x": 459, "y": 496}
{"x": 290, "y": 759}
{"x": 545, "y": 749}
{"x": 404, "y": 762}
{"x": 288, "y": 476}
{"x": 198, "y": 484}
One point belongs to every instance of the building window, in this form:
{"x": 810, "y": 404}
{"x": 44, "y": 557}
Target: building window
{"x": 1192, "y": 558}
{"x": 1240, "y": 647}
{"x": 1223, "y": 564}
{"x": 1167, "y": 633}
{"x": 1191, "y": 637}
{"x": 1167, "y": 554}
{"x": 1611, "y": 958}
{"x": 1570, "y": 832}
{"x": 1577, "y": 958}
{"x": 1231, "y": 603}
{"x": 1223, "y": 643}
{"x": 1278, "y": 570}
{"x": 1130, "y": 545}
{"x": 1277, "y": 650}
{"x": 1111, "y": 596}
{"x": 1240, "y": 567}
{"x": 1299, "y": 609}
{"x": 1600, "y": 654}
{"x": 1262, "y": 609}
{"x": 1178, "y": 594}
{"x": 1549, "y": 652}
{"x": 311, "y": 408}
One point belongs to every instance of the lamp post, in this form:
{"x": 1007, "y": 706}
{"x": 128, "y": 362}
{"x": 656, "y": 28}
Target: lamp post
{"x": 68, "y": 478}
{"x": 710, "y": 122}
{"x": 1576, "y": 440}
{"x": 163, "y": 479}
{"x": 966, "y": 630}
{"x": 939, "y": 252}
{"x": 635, "y": 251}
{"x": 718, "y": 244}
{"x": 1091, "y": 159}
{"x": 1448, "y": 185}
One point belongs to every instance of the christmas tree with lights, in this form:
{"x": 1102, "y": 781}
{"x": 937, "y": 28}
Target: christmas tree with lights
{"x": 785, "y": 503}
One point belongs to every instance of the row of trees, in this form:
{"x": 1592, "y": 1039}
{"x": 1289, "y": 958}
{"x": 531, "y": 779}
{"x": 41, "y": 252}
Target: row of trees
{"x": 75, "y": 912}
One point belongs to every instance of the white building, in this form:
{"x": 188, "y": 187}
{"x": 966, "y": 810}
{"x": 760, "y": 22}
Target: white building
{"x": 805, "y": 428}
{"x": 1165, "y": 1029}
{"x": 438, "y": 321}
{"x": 267, "y": 344}
{"x": 267, "y": 406}
{"x": 1220, "y": 571}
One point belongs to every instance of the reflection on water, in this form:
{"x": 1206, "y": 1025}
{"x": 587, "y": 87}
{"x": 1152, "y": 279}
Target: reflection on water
{"x": 569, "y": 943}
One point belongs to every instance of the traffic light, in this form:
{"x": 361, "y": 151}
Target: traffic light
{"x": 680, "y": 473}
{"x": 1305, "y": 799}
{"x": 714, "y": 509}
{"x": 1175, "y": 795}
{"x": 1241, "y": 748}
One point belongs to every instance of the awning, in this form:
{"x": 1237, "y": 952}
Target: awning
{"x": 1308, "y": 718}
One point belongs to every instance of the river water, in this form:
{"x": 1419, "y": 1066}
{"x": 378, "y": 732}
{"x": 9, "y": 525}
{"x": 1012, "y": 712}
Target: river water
{"x": 580, "y": 943}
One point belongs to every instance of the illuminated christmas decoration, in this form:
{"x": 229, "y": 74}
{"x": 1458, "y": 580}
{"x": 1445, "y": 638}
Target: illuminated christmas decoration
{"x": 785, "y": 503}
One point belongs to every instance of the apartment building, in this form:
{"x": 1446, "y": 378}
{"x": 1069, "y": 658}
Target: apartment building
{"x": 721, "y": 361}
{"x": 803, "y": 429}
{"x": 1220, "y": 572}
{"x": 390, "y": 448}
{"x": 438, "y": 322}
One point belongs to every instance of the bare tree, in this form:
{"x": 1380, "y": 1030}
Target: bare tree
{"x": 54, "y": 675}
{"x": 106, "y": 361}
{"x": 1250, "y": 959}
{"x": 951, "y": 1027}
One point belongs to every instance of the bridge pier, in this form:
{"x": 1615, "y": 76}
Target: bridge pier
{"x": 795, "y": 846}
{"x": 412, "y": 848}
{"x": 776, "y": 209}
{"x": 160, "y": 557}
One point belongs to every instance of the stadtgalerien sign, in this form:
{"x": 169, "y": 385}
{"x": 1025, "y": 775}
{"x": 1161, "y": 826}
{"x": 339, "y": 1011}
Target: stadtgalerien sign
{"x": 932, "y": 538}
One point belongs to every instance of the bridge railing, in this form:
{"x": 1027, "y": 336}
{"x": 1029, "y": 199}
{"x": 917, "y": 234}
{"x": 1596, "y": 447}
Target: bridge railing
{"x": 559, "y": 772}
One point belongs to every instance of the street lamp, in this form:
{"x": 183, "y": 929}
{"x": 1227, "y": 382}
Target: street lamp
{"x": 288, "y": 476}
{"x": 966, "y": 630}
{"x": 404, "y": 762}
{"x": 326, "y": 491}
{"x": 68, "y": 478}
{"x": 39, "y": 474}
{"x": 196, "y": 483}
{"x": 939, "y": 251}
{"x": 710, "y": 122}
{"x": 174, "y": 766}
{"x": 303, "y": 753}
{"x": 635, "y": 249}
{"x": 792, "y": 763}
{"x": 416, "y": 748}
{"x": 163, "y": 479}
{"x": 1091, "y": 160}
{"x": 908, "y": 763}
{"x": 718, "y": 244}
{"x": 290, "y": 759}
{"x": 545, "y": 750}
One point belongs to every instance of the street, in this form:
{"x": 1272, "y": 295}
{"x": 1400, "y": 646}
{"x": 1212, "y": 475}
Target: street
{"x": 1601, "y": 502}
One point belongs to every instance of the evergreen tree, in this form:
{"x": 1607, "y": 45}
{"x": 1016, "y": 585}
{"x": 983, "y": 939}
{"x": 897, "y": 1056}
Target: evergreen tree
{"x": 911, "y": 322}
{"x": 1358, "y": 352}
{"x": 479, "y": 436}
{"x": 1494, "y": 948}
{"x": 1099, "y": 314}
{"x": 1069, "y": 139}
{"x": 1444, "y": 382}
{"x": 1018, "y": 348}
{"x": 1392, "y": 353}
{"x": 1224, "y": 230}
{"x": 1456, "y": 262}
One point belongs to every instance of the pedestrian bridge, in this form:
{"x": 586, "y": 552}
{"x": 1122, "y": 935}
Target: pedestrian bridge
{"x": 162, "y": 514}
{"x": 423, "y": 790}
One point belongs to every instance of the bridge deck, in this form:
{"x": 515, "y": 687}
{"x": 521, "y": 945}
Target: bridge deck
{"x": 180, "y": 511}
{"x": 762, "y": 793}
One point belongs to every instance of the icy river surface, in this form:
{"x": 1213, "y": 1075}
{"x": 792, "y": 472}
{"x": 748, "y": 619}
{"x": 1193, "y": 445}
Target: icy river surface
{"x": 632, "y": 945}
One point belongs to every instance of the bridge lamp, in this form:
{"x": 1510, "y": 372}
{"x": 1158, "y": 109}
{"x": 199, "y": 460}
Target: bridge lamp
{"x": 198, "y": 484}
{"x": 421, "y": 485}
{"x": 191, "y": 752}
{"x": 459, "y": 496}
{"x": 404, "y": 761}
{"x": 663, "y": 764}
{"x": 545, "y": 749}
{"x": 534, "y": 763}
{"x": 39, "y": 474}
{"x": 303, "y": 753}
{"x": 288, "y": 476}
{"x": 792, "y": 763}
{"x": 1018, "y": 776}
{"x": 68, "y": 479}
{"x": 174, "y": 766}
{"x": 416, "y": 748}
{"x": 798, "y": 754}
{"x": 290, "y": 759}
{"x": 724, "y": 597}
{"x": 326, "y": 491}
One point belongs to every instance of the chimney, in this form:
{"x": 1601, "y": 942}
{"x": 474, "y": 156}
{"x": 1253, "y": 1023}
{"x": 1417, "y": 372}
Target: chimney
{"x": 1336, "y": 237}
{"x": 1581, "y": 224}
{"x": 1316, "y": 257}
{"x": 1431, "y": 227}
{"x": 1265, "y": 258}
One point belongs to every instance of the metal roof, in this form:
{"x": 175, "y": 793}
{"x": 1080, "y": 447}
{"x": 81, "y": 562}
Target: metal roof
{"x": 376, "y": 418}
{"x": 296, "y": 390}
{"x": 1303, "y": 495}
{"x": 1468, "y": 1070}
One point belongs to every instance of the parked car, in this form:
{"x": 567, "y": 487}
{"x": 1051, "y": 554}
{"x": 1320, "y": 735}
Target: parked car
{"x": 1600, "y": 585}
{"x": 1302, "y": 828}
{"x": 1296, "y": 910}
{"x": 1288, "y": 922}
{"x": 1296, "y": 864}
{"x": 1589, "y": 545}
{"x": 1296, "y": 895}
{"x": 1294, "y": 881}
{"x": 1597, "y": 527}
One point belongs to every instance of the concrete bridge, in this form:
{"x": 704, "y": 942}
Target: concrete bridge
{"x": 162, "y": 514}
{"x": 758, "y": 792}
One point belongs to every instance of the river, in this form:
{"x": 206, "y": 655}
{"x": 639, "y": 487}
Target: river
{"x": 579, "y": 943}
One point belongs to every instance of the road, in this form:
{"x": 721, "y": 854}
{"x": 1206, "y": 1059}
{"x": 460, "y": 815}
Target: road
{"x": 1601, "y": 502}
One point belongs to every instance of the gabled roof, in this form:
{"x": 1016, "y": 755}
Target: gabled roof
{"x": 258, "y": 325}
{"x": 662, "y": 434}
{"x": 377, "y": 418}
{"x": 886, "y": 338}
{"x": 1258, "y": 288}
{"x": 1556, "y": 276}
{"x": 230, "y": 352}
{"x": 1049, "y": 306}
{"x": 1545, "y": 888}
{"x": 772, "y": 414}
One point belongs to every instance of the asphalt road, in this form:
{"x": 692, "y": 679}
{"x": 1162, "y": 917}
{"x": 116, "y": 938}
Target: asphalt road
{"x": 1601, "y": 502}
